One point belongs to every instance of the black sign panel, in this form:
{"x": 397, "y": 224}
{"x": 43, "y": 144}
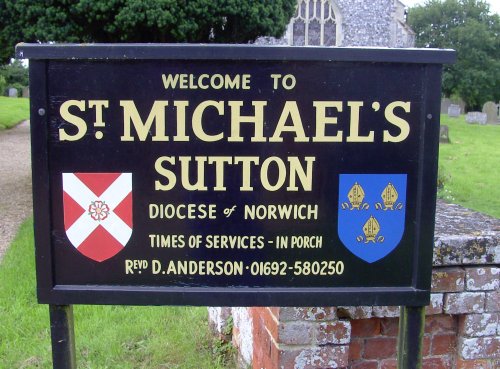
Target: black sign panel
{"x": 217, "y": 175}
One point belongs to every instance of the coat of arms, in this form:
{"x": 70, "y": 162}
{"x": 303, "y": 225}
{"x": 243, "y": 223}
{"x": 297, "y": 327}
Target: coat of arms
{"x": 371, "y": 215}
{"x": 98, "y": 212}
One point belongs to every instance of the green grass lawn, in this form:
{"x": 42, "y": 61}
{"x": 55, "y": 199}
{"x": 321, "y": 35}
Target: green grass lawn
{"x": 470, "y": 165}
{"x": 107, "y": 337}
{"x": 13, "y": 111}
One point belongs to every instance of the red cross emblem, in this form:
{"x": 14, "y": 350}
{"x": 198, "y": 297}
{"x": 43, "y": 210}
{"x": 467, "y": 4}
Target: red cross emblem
{"x": 98, "y": 212}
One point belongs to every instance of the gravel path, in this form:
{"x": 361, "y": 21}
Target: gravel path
{"x": 15, "y": 182}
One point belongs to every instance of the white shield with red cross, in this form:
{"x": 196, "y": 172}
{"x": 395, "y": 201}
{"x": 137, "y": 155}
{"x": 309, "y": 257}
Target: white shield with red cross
{"x": 98, "y": 212}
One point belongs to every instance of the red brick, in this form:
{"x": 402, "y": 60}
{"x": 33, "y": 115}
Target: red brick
{"x": 443, "y": 344}
{"x": 295, "y": 333}
{"x": 483, "y": 279}
{"x": 389, "y": 327}
{"x": 448, "y": 280}
{"x": 365, "y": 327}
{"x": 268, "y": 320}
{"x": 313, "y": 358}
{"x": 275, "y": 311}
{"x": 478, "y": 325}
{"x": 436, "y": 363}
{"x": 286, "y": 360}
{"x": 493, "y": 301}
{"x": 336, "y": 332}
{"x": 355, "y": 312}
{"x": 440, "y": 324}
{"x": 480, "y": 348}
{"x": 464, "y": 302}
{"x": 307, "y": 313}
{"x": 265, "y": 353}
{"x": 473, "y": 364}
{"x": 364, "y": 365}
{"x": 356, "y": 349}
{"x": 436, "y": 305}
{"x": 386, "y": 311}
{"x": 426, "y": 350}
{"x": 389, "y": 364}
{"x": 380, "y": 348}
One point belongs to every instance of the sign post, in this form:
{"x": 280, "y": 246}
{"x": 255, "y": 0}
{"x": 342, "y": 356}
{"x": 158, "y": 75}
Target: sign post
{"x": 234, "y": 175}
{"x": 62, "y": 334}
{"x": 411, "y": 336}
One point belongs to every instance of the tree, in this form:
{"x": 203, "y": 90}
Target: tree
{"x": 15, "y": 74}
{"x": 226, "y": 21}
{"x": 468, "y": 27}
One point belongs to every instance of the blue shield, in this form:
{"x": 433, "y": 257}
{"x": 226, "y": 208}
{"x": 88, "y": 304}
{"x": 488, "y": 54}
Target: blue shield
{"x": 371, "y": 215}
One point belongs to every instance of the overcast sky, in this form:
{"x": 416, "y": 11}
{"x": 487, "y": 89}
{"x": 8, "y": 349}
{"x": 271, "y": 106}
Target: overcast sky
{"x": 494, "y": 4}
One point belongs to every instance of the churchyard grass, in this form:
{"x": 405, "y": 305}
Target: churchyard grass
{"x": 107, "y": 337}
{"x": 13, "y": 111}
{"x": 470, "y": 165}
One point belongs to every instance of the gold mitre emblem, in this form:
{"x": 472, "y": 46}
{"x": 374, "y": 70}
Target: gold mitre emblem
{"x": 371, "y": 229}
{"x": 356, "y": 196}
{"x": 389, "y": 196}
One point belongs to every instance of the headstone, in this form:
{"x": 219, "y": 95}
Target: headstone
{"x": 12, "y": 92}
{"x": 26, "y": 92}
{"x": 445, "y": 104}
{"x": 454, "y": 110}
{"x": 475, "y": 117}
{"x": 491, "y": 111}
{"x": 444, "y": 134}
{"x": 458, "y": 101}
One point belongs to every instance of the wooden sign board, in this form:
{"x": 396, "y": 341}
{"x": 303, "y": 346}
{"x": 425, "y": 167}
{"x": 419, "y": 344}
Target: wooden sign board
{"x": 234, "y": 175}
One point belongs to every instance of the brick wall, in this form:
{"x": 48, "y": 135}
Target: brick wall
{"x": 462, "y": 328}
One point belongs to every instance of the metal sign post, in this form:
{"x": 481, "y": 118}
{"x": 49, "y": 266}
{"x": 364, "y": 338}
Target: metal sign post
{"x": 233, "y": 176}
{"x": 411, "y": 336}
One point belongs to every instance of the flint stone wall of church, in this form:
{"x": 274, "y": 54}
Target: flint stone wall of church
{"x": 462, "y": 328}
{"x": 377, "y": 23}
{"x": 366, "y": 23}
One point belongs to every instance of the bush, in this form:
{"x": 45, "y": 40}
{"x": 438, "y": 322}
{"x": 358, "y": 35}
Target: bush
{"x": 15, "y": 75}
{"x": 3, "y": 85}
{"x": 443, "y": 180}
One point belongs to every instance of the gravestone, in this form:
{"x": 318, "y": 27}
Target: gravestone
{"x": 473, "y": 117}
{"x": 12, "y": 92}
{"x": 444, "y": 136}
{"x": 445, "y": 104}
{"x": 454, "y": 111}
{"x": 26, "y": 92}
{"x": 491, "y": 111}
{"x": 458, "y": 101}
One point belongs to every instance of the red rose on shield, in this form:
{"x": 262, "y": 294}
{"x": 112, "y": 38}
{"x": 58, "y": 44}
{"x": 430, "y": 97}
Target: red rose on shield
{"x": 98, "y": 210}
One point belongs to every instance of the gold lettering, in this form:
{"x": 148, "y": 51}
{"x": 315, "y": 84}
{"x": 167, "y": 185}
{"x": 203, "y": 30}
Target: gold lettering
{"x": 219, "y": 162}
{"x": 297, "y": 170}
{"x": 237, "y": 119}
{"x": 290, "y": 110}
{"x": 246, "y": 162}
{"x": 200, "y": 173}
{"x": 322, "y": 120}
{"x": 354, "y": 126}
{"x": 169, "y": 175}
{"x": 98, "y": 104}
{"x": 264, "y": 171}
{"x": 78, "y": 122}
{"x": 197, "y": 120}
{"x": 157, "y": 115}
{"x": 402, "y": 124}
